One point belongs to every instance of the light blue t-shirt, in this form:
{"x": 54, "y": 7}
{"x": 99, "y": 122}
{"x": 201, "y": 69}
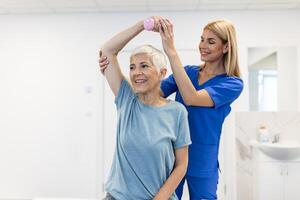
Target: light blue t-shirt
{"x": 146, "y": 138}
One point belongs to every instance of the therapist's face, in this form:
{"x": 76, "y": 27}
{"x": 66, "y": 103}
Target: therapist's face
{"x": 211, "y": 47}
{"x": 144, "y": 76}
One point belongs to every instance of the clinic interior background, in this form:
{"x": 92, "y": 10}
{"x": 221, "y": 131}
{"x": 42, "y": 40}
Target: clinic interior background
{"x": 57, "y": 114}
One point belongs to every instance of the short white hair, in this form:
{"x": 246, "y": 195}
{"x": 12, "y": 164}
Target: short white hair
{"x": 157, "y": 57}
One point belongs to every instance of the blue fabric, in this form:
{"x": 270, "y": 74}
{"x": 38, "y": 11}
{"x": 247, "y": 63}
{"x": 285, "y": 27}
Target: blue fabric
{"x": 199, "y": 188}
{"x": 206, "y": 122}
{"x": 146, "y": 138}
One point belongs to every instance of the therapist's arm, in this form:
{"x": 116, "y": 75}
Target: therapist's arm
{"x": 180, "y": 167}
{"x": 187, "y": 90}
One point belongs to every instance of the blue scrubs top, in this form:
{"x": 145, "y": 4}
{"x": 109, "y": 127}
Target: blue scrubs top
{"x": 206, "y": 122}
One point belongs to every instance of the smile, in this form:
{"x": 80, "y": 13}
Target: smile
{"x": 140, "y": 81}
{"x": 204, "y": 53}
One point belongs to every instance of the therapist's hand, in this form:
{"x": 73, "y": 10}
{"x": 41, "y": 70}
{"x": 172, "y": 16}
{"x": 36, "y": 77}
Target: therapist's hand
{"x": 103, "y": 62}
{"x": 167, "y": 36}
{"x": 156, "y": 23}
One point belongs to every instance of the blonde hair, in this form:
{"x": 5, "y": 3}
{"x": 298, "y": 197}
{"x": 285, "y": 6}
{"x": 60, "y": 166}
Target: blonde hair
{"x": 157, "y": 57}
{"x": 226, "y": 32}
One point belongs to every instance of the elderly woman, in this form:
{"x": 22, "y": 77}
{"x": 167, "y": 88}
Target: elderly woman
{"x": 151, "y": 152}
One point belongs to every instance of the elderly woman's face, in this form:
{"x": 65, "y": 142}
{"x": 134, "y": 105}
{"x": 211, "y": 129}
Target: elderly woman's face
{"x": 144, "y": 76}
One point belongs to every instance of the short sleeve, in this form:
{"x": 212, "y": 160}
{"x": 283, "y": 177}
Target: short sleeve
{"x": 125, "y": 94}
{"x": 168, "y": 86}
{"x": 183, "y": 134}
{"x": 225, "y": 91}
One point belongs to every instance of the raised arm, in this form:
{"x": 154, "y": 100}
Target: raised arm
{"x": 110, "y": 50}
{"x": 188, "y": 92}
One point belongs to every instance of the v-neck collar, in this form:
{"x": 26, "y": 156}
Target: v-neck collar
{"x": 209, "y": 80}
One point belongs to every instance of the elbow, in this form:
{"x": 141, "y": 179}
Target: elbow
{"x": 107, "y": 50}
{"x": 189, "y": 97}
{"x": 188, "y": 100}
{"x": 183, "y": 168}
{"x": 182, "y": 165}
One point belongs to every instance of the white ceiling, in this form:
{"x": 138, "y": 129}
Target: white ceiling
{"x": 63, "y": 6}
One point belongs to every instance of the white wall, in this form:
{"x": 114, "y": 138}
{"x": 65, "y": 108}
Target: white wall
{"x": 51, "y": 131}
{"x": 50, "y": 107}
{"x": 287, "y": 79}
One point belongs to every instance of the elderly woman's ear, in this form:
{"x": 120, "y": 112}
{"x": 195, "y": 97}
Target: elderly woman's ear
{"x": 162, "y": 73}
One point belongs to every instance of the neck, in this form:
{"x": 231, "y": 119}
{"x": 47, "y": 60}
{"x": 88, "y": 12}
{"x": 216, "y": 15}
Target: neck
{"x": 214, "y": 68}
{"x": 152, "y": 98}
